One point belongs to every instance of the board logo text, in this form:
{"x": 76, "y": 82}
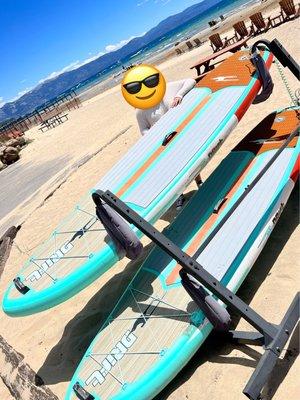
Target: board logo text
{"x": 116, "y": 354}
{"x": 49, "y": 262}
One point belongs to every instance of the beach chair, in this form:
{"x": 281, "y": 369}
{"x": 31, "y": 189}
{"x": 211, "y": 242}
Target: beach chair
{"x": 198, "y": 42}
{"x": 179, "y": 51}
{"x": 212, "y": 23}
{"x": 288, "y": 10}
{"x": 241, "y": 31}
{"x": 218, "y": 44}
{"x": 189, "y": 45}
{"x": 259, "y": 24}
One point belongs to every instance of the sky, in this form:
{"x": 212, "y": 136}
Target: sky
{"x": 42, "y": 38}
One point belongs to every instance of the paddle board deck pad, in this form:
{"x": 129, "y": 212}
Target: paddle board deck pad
{"x": 155, "y": 328}
{"x": 149, "y": 179}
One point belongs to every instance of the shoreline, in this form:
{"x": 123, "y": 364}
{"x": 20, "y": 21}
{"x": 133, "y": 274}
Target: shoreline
{"x": 242, "y": 13}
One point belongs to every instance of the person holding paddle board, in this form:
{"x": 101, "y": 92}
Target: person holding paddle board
{"x": 144, "y": 87}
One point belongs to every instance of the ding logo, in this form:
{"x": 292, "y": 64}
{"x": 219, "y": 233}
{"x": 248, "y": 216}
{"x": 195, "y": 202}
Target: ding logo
{"x": 270, "y": 140}
{"x": 245, "y": 57}
{"x": 228, "y": 78}
{"x": 49, "y": 262}
{"x": 279, "y": 119}
{"x": 116, "y": 354}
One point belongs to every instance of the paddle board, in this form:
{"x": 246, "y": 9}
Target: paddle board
{"x": 149, "y": 178}
{"x": 156, "y": 328}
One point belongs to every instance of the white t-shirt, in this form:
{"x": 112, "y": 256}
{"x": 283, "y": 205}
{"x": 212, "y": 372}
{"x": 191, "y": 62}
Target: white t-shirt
{"x": 147, "y": 118}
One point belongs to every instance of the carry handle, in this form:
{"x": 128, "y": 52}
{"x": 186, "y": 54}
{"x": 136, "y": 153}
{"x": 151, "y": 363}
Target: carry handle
{"x": 19, "y": 285}
{"x": 168, "y": 138}
{"x": 219, "y": 204}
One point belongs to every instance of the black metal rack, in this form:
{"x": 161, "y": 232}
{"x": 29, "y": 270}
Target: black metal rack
{"x": 271, "y": 337}
{"x": 282, "y": 55}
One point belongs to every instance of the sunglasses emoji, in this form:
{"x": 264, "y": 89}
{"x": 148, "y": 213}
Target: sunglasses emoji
{"x": 143, "y": 86}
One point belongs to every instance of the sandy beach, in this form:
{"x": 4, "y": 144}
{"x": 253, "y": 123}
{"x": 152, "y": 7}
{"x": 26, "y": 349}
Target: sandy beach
{"x": 76, "y": 155}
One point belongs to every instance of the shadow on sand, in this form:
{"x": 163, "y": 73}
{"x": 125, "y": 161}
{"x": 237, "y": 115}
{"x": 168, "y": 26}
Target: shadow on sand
{"x": 64, "y": 357}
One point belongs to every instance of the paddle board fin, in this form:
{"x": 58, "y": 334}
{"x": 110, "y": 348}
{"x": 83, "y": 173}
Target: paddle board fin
{"x": 212, "y": 309}
{"x": 264, "y": 77}
{"x": 81, "y": 393}
{"x": 125, "y": 240}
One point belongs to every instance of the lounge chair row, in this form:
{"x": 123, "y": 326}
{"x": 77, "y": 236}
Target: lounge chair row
{"x": 258, "y": 25}
{"x": 190, "y": 46}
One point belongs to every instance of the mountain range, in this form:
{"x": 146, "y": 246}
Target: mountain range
{"x": 51, "y": 88}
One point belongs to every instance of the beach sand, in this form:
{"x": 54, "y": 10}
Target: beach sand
{"x": 54, "y": 341}
{"x": 4, "y": 393}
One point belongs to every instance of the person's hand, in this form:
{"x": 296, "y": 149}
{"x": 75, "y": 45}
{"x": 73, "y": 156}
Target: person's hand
{"x": 176, "y": 101}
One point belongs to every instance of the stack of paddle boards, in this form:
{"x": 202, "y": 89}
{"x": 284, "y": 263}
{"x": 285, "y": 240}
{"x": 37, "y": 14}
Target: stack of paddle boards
{"x": 148, "y": 178}
{"x": 156, "y": 328}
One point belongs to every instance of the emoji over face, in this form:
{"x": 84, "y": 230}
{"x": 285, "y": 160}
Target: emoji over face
{"x": 143, "y": 86}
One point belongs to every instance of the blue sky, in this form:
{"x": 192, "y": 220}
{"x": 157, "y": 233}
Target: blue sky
{"x": 41, "y": 38}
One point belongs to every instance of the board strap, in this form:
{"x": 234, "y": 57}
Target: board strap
{"x": 264, "y": 77}
{"x": 282, "y": 55}
{"x": 125, "y": 240}
{"x": 217, "y": 315}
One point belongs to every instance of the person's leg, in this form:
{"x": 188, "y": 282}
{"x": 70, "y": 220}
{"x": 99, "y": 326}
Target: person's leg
{"x": 179, "y": 202}
{"x": 181, "y": 199}
{"x": 198, "y": 180}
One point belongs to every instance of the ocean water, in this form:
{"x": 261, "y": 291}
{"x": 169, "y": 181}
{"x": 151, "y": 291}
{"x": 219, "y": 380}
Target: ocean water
{"x": 182, "y": 32}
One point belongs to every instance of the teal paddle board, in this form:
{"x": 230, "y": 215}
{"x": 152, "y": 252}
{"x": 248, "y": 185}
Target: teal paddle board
{"x": 156, "y": 328}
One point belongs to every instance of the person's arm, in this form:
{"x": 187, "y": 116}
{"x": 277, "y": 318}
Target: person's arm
{"x": 143, "y": 123}
{"x": 184, "y": 87}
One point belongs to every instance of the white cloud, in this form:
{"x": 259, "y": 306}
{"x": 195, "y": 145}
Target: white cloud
{"x": 142, "y": 3}
{"x": 71, "y": 67}
{"x": 92, "y": 58}
{"x": 20, "y": 94}
{"x": 113, "y": 47}
{"x": 162, "y": 2}
{"x": 54, "y": 74}
{"x": 75, "y": 65}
